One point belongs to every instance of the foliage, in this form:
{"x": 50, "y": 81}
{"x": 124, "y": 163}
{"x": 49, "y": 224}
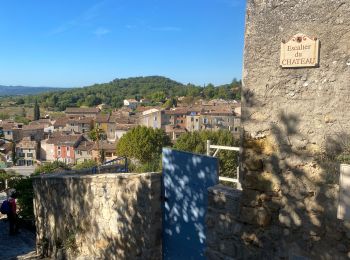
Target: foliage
{"x": 4, "y": 116}
{"x": 170, "y": 103}
{"x": 21, "y": 119}
{"x": 85, "y": 165}
{"x": 97, "y": 134}
{"x": 70, "y": 242}
{"x": 25, "y": 193}
{"x": 197, "y": 142}
{"x": 142, "y": 143}
{"x": 3, "y": 177}
{"x": 152, "y": 166}
{"x": 36, "y": 111}
{"x": 51, "y": 167}
{"x": 13, "y": 153}
{"x": 155, "y": 88}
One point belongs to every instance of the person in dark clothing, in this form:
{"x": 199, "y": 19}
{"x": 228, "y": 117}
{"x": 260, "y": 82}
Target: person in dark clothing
{"x": 12, "y": 215}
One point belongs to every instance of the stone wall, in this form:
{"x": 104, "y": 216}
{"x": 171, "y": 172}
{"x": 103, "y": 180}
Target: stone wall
{"x": 295, "y": 121}
{"x": 107, "y": 216}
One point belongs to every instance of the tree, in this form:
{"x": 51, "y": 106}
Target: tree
{"x": 13, "y": 153}
{"x": 36, "y": 111}
{"x": 22, "y": 113}
{"x": 197, "y": 142}
{"x": 96, "y": 135}
{"x": 144, "y": 144}
{"x": 209, "y": 91}
{"x": 51, "y": 167}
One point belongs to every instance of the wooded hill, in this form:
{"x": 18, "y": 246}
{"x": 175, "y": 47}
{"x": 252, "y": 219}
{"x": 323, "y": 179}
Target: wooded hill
{"x": 154, "y": 88}
{"x": 21, "y": 90}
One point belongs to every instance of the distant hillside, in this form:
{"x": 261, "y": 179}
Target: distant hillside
{"x": 154, "y": 88}
{"x": 20, "y": 90}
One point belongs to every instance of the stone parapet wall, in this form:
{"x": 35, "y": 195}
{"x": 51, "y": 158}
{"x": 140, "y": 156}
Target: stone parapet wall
{"x": 252, "y": 224}
{"x": 106, "y": 216}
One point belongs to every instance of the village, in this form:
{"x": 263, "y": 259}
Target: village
{"x": 66, "y": 138}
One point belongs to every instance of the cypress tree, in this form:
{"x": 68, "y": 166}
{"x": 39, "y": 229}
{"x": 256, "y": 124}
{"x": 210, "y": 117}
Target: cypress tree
{"x": 36, "y": 111}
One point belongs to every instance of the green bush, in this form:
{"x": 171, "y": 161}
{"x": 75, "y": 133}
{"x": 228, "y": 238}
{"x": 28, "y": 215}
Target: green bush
{"x": 51, "y": 167}
{"x": 197, "y": 142}
{"x": 85, "y": 165}
{"x": 25, "y": 193}
{"x": 144, "y": 144}
{"x": 3, "y": 177}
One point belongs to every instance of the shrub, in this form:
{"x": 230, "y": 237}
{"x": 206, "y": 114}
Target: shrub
{"x": 84, "y": 165}
{"x": 51, "y": 167}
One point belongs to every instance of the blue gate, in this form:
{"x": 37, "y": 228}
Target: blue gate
{"x": 186, "y": 177}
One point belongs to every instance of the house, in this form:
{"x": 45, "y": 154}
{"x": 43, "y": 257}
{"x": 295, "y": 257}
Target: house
{"x": 27, "y": 152}
{"x": 46, "y": 124}
{"x": 153, "y": 118}
{"x": 174, "y": 132}
{"x": 193, "y": 122}
{"x": 102, "y": 122}
{"x": 11, "y": 130}
{"x": 108, "y": 149}
{"x": 60, "y": 124}
{"x": 34, "y": 132}
{"x": 131, "y": 103}
{"x": 83, "y": 152}
{"x": 6, "y": 151}
{"x": 176, "y": 117}
{"x": 64, "y": 146}
{"x": 121, "y": 129}
{"x": 79, "y": 124}
{"x": 82, "y": 111}
{"x": 218, "y": 117}
{"x": 108, "y": 124}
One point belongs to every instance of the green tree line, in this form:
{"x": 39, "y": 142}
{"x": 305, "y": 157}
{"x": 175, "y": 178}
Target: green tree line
{"x": 154, "y": 88}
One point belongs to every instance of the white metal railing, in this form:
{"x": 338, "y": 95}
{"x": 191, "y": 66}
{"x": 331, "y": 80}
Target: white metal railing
{"x": 229, "y": 148}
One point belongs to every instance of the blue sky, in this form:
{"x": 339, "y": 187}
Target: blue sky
{"x": 72, "y": 43}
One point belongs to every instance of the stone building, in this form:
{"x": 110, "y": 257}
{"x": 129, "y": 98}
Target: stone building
{"x": 79, "y": 124}
{"x": 153, "y": 118}
{"x": 27, "y": 152}
{"x": 83, "y": 151}
{"x": 64, "y": 146}
{"x": 82, "y": 112}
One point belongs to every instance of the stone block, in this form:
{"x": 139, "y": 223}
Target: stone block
{"x": 253, "y": 163}
{"x": 255, "y": 216}
{"x": 250, "y": 198}
{"x": 228, "y": 248}
{"x": 262, "y": 181}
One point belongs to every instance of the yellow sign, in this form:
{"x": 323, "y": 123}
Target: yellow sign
{"x": 300, "y": 51}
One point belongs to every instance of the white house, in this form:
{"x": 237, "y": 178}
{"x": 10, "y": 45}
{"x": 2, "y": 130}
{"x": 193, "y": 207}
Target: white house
{"x": 131, "y": 103}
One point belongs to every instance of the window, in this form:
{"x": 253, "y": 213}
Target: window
{"x": 59, "y": 148}
{"x": 181, "y": 121}
{"x": 155, "y": 118}
{"x": 30, "y": 155}
{"x": 59, "y": 153}
{"x": 196, "y": 119}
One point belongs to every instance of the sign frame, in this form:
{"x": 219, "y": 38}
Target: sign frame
{"x": 300, "y": 51}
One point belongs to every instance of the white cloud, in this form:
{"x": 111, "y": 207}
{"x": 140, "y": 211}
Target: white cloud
{"x": 82, "y": 20}
{"x": 101, "y": 31}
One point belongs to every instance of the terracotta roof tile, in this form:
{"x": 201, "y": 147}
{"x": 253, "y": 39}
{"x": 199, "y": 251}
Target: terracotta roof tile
{"x": 90, "y": 110}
